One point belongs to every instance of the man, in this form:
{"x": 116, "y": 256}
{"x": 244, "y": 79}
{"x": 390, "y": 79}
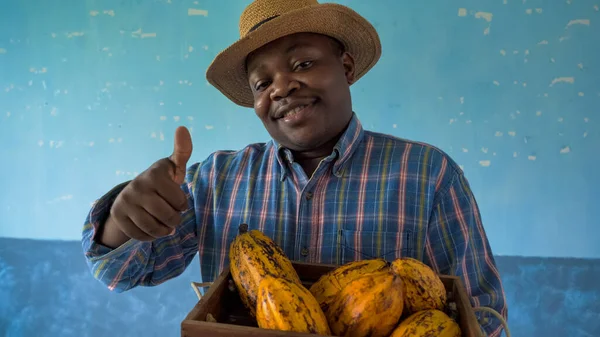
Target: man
{"x": 323, "y": 188}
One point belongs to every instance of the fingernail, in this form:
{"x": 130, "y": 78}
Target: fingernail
{"x": 173, "y": 231}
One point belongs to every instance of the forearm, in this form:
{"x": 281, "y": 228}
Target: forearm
{"x": 136, "y": 263}
{"x": 122, "y": 263}
{"x": 110, "y": 235}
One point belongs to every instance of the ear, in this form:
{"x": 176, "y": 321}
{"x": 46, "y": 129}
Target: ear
{"x": 349, "y": 68}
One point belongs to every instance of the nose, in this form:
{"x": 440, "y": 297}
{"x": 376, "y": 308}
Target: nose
{"x": 283, "y": 86}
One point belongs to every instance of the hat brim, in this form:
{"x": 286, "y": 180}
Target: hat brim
{"x": 227, "y": 72}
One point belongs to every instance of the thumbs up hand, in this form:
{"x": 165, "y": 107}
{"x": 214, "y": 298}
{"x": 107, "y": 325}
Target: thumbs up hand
{"x": 182, "y": 151}
{"x": 149, "y": 206}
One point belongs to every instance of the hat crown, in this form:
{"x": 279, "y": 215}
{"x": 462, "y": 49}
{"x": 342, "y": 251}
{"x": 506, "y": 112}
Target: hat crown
{"x": 261, "y": 11}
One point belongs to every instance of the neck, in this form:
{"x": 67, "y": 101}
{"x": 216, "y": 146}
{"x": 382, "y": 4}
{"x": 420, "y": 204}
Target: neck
{"x": 310, "y": 159}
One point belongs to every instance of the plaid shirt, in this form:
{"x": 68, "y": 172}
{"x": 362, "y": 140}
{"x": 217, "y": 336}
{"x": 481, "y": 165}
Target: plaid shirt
{"x": 374, "y": 196}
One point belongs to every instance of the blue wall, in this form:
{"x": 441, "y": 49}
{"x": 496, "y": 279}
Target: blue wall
{"x": 45, "y": 287}
{"x": 92, "y": 91}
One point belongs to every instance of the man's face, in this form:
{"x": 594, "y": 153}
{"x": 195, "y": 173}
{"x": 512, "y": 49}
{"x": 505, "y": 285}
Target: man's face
{"x": 301, "y": 86}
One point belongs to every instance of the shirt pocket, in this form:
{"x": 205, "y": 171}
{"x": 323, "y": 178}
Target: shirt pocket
{"x": 360, "y": 245}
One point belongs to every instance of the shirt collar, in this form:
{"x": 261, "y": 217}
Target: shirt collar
{"x": 342, "y": 151}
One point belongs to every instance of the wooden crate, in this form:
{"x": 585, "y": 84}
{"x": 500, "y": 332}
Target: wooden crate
{"x": 220, "y": 311}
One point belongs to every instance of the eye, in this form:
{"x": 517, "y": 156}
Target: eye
{"x": 303, "y": 65}
{"x": 261, "y": 85}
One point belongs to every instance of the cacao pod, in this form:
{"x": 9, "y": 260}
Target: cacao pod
{"x": 423, "y": 289}
{"x": 329, "y": 285}
{"x": 252, "y": 256}
{"x": 371, "y": 305}
{"x": 424, "y": 323}
{"x": 289, "y": 306}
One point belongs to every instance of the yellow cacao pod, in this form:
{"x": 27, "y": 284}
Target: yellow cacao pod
{"x": 289, "y": 306}
{"x": 252, "y": 256}
{"x": 329, "y": 285}
{"x": 369, "y": 306}
{"x": 423, "y": 289}
{"x": 425, "y": 323}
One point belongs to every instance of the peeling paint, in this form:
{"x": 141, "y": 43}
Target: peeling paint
{"x": 3, "y": 51}
{"x": 565, "y": 150}
{"x": 59, "y": 199}
{"x": 484, "y": 15}
{"x": 74, "y": 34}
{"x": 194, "y": 11}
{"x": 485, "y": 163}
{"x": 569, "y": 80}
{"x": 462, "y": 12}
{"x": 543, "y": 42}
{"x": 532, "y": 158}
{"x": 139, "y": 34}
{"x": 512, "y": 133}
{"x": 585, "y": 22}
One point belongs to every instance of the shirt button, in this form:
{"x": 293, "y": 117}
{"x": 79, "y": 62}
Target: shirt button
{"x": 309, "y": 195}
{"x": 304, "y": 251}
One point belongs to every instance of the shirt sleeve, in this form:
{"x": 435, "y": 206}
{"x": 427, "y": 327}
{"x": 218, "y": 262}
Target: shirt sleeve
{"x": 136, "y": 263}
{"x": 456, "y": 244}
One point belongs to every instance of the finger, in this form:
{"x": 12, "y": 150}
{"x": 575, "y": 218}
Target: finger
{"x": 147, "y": 223}
{"x": 156, "y": 206}
{"x": 131, "y": 230}
{"x": 171, "y": 192}
{"x": 182, "y": 151}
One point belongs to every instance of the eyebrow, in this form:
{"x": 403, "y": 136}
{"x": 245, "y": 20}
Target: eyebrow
{"x": 298, "y": 45}
{"x": 295, "y": 46}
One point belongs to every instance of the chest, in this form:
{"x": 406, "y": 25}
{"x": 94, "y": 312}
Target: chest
{"x": 328, "y": 219}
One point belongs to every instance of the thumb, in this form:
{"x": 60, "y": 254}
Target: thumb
{"x": 182, "y": 152}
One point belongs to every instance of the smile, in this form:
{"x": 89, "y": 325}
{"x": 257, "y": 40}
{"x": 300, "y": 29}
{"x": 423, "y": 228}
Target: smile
{"x": 298, "y": 115}
{"x": 294, "y": 111}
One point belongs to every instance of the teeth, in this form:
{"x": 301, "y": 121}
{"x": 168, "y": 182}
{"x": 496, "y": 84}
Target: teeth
{"x": 294, "y": 111}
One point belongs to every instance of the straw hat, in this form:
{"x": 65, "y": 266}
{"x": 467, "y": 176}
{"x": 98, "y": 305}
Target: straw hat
{"x": 266, "y": 20}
